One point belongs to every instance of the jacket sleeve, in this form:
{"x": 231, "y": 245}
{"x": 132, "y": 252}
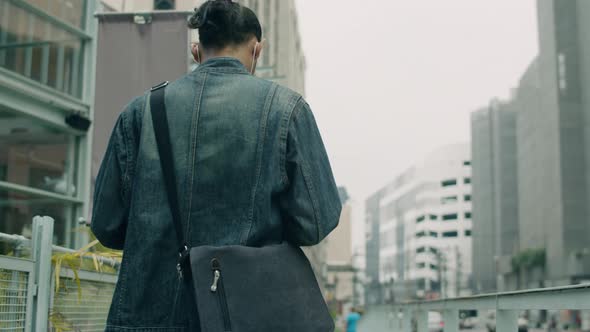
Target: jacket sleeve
{"x": 112, "y": 193}
{"x": 310, "y": 205}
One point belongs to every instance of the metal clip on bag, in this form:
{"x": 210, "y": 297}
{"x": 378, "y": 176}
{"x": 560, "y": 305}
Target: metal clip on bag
{"x": 238, "y": 288}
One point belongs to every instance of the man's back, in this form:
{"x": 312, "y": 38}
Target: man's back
{"x": 251, "y": 170}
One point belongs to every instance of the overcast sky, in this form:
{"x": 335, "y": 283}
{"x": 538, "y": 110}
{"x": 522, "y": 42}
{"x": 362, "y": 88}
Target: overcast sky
{"x": 391, "y": 80}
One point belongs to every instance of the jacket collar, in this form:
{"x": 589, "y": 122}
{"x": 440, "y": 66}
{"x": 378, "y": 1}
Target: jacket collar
{"x": 225, "y": 64}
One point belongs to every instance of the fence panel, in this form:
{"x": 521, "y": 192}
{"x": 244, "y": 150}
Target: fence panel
{"x": 84, "y": 308}
{"x": 15, "y": 295}
{"x": 28, "y": 297}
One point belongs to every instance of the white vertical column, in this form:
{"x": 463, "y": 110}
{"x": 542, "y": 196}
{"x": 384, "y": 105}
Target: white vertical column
{"x": 29, "y": 49}
{"x": 5, "y": 17}
{"x": 42, "y": 249}
{"x": 422, "y": 320}
{"x": 407, "y": 320}
{"x": 394, "y": 321}
{"x": 451, "y": 319}
{"x": 506, "y": 321}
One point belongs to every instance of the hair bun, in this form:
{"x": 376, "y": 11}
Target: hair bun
{"x": 224, "y": 22}
{"x": 196, "y": 20}
{"x": 213, "y": 12}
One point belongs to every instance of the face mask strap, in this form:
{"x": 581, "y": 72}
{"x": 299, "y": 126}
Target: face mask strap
{"x": 254, "y": 58}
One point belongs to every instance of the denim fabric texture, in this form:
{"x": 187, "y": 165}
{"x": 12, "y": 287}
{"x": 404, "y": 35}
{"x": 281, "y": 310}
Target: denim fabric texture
{"x": 251, "y": 170}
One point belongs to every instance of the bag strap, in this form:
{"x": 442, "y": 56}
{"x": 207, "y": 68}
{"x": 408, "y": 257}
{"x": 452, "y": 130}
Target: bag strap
{"x": 162, "y": 132}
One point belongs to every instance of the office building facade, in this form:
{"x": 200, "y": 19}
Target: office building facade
{"x": 552, "y": 111}
{"x": 47, "y": 61}
{"x": 341, "y": 275}
{"x": 424, "y": 229}
{"x": 495, "y": 191}
{"x": 561, "y": 168}
{"x": 373, "y": 292}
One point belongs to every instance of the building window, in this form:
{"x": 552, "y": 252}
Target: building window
{"x": 42, "y": 161}
{"x": 35, "y": 155}
{"x": 449, "y": 183}
{"x": 421, "y": 265}
{"x": 433, "y": 267}
{"x": 450, "y": 234}
{"x": 467, "y": 180}
{"x": 468, "y": 232}
{"x": 467, "y": 163}
{"x": 70, "y": 12}
{"x": 467, "y": 198}
{"x": 44, "y": 51}
{"x": 562, "y": 71}
{"x": 421, "y": 284}
{"x": 420, "y": 219}
{"x": 467, "y": 215}
{"x": 420, "y": 234}
{"x": 433, "y": 217}
{"x": 164, "y": 4}
{"x": 449, "y": 217}
{"x": 420, "y": 250}
{"x": 433, "y": 234}
{"x": 433, "y": 250}
{"x": 449, "y": 200}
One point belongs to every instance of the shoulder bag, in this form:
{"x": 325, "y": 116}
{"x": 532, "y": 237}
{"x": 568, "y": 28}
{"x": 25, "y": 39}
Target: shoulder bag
{"x": 239, "y": 288}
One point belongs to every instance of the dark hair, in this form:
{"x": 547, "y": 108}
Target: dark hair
{"x": 224, "y": 22}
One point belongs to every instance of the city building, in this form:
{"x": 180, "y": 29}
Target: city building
{"x": 47, "y": 64}
{"x": 495, "y": 191}
{"x": 341, "y": 275}
{"x": 551, "y": 139}
{"x": 424, "y": 227}
{"x": 553, "y": 144}
{"x": 282, "y": 60}
{"x": 373, "y": 292}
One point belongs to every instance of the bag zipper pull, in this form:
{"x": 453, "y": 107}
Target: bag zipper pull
{"x": 216, "y": 267}
{"x": 217, "y": 275}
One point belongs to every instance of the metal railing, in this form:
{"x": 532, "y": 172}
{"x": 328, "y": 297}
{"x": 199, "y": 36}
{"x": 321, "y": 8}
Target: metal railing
{"x": 413, "y": 316}
{"x": 29, "y": 300}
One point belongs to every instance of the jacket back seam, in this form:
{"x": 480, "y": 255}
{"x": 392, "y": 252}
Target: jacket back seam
{"x": 194, "y": 143}
{"x": 259, "y": 155}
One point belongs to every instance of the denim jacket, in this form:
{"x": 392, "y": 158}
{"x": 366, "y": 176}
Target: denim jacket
{"x": 251, "y": 170}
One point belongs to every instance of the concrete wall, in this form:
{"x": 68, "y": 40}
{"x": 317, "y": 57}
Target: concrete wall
{"x": 132, "y": 58}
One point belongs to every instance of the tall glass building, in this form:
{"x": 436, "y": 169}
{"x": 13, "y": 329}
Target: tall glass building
{"x": 47, "y": 61}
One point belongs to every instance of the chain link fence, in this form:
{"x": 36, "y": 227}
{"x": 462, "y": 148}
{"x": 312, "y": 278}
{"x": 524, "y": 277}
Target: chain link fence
{"x": 13, "y": 299}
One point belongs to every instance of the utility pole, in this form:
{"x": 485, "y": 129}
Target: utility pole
{"x": 445, "y": 285}
{"x": 442, "y": 272}
{"x": 458, "y": 272}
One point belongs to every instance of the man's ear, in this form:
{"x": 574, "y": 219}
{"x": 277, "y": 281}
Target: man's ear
{"x": 196, "y": 52}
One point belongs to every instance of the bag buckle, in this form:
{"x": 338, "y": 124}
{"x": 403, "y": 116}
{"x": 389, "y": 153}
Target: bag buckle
{"x": 159, "y": 86}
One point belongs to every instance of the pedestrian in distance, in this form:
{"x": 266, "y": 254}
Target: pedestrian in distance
{"x": 210, "y": 184}
{"x": 352, "y": 320}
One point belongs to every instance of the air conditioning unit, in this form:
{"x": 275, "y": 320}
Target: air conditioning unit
{"x": 164, "y": 4}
